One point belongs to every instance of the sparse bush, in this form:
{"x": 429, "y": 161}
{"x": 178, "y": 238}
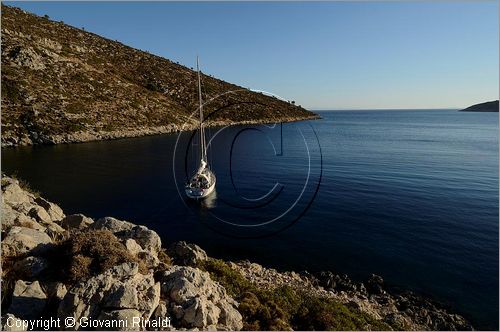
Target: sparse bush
{"x": 164, "y": 258}
{"x": 11, "y": 90}
{"x": 24, "y": 185}
{"x": 93, "y": 252}
{"x": 110, "y": 127}
{"x": 66, "y": 49}
{"x": 84, "y": 255}
{"x": 76, "y": 107}
{"x": 73, "y": 127}
{"x": 153, "y": 86}
{"x": 9, "y": 278}
{"x": 285, "y": 308}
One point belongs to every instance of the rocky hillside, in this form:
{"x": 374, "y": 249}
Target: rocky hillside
{"x": 489, "y": 106}
{"x": 106, "y": 272}
{"x": 62, "y": 84}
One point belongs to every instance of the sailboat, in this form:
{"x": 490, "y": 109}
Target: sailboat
{"x": 202, "y": 183}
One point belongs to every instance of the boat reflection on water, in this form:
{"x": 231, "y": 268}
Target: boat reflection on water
{"x": 210, "y": 201}
{"x": 206, "y": 203}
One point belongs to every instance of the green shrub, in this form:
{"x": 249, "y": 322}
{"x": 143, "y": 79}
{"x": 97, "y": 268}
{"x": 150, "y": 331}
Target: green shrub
{"x": 285, "y": 308}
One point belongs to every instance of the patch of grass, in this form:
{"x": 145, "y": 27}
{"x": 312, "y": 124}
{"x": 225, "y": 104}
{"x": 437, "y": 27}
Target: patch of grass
{"x": 76, "y": 107}
{"x": 9, "y": 278}
{"x": 23, "y": 184}
{"x": 74, "y": 127}
{"x": 26, "y": 186}
{"x": 232, "y": 280}
{"x": 285, "y": 308}
{"x": 257, "y": 306}
{"x": 11, "y": 90}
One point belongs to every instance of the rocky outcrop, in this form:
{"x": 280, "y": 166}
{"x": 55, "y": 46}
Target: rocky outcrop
{"x": 106, "y": 295}
{"x": 137, "y": 286}
{"x": 28, "y": 300}
{"x": 31, "y": 215}
{"x": 197, "y": 301}
{"x": 402, "y": 310}
{"x": 112, "y": 224}
{"x": 22, "y": 240}
{"x": 33, "y": 230}
{"x": 76, "y": 221}
{"x": 144, "y": 237}
{"x": 186, "y": 253}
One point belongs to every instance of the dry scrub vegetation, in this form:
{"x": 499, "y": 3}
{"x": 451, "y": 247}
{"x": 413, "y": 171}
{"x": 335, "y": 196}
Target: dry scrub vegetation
{"x": 57, "y": 79}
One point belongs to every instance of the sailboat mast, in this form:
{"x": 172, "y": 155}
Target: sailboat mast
{"x": 202, "y": 130}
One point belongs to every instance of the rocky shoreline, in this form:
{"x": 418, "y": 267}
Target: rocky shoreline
{"x": 489, "y": 106}
{"x": 61, "y": 84}
{"x": 33, "y": 138}
{"x": 57, "y": 266}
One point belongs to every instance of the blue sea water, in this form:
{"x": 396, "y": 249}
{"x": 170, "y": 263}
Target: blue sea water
{"x": 409, "y": 195}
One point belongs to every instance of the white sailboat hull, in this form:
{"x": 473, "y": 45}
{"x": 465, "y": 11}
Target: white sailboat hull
{"x": 199, "y": 193}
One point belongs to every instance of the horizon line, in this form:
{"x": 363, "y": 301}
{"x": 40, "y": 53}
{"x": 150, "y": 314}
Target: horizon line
{"x": 384, "y": 109}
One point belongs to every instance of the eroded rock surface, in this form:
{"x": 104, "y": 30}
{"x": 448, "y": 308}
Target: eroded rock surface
{"x": 22, "y": 240}
{"x": 120, "y": 288}
{"x": 185, "y": 253}
{"x": 198, "y": 301}
{"x": 28, "y": 300}
{"x": 76, "y": 221}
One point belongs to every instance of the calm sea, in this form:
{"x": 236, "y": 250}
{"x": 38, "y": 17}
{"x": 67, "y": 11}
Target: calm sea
{"x": 409, "y": 195}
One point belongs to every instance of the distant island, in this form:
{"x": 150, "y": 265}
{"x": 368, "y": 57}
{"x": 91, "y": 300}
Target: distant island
{"x": 489, "y": 106}
{"x": 61, "y": 84}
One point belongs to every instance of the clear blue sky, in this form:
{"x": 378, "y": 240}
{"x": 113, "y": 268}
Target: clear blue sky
{"x": 327, "y": 55}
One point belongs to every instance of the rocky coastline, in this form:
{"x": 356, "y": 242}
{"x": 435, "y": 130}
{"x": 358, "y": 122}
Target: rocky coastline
{"x": 34, "y": 138}
{"x": 104, "y": 271}
{"x": 489, "y": 106}
{"x": 62, "y": 84}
